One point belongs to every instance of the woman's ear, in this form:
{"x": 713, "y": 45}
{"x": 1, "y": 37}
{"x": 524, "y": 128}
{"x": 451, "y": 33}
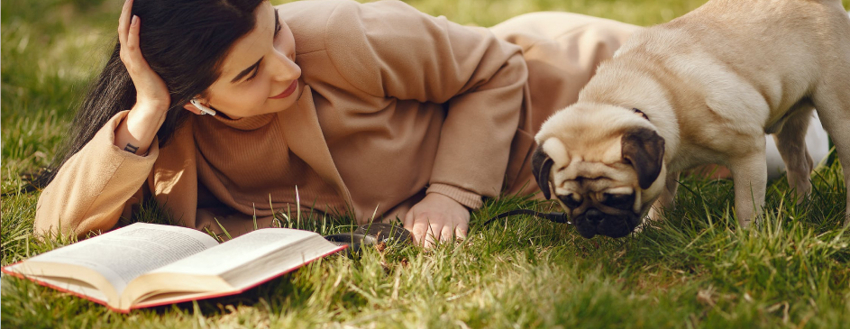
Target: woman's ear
{"x": 191, "y": 108}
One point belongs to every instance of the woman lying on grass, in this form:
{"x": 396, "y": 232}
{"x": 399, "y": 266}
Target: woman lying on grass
{"x": 368, "y": 109}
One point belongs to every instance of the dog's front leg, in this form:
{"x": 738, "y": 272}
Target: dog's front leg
{"x": 749, "y": 174}
{"x": 665, "y": 201}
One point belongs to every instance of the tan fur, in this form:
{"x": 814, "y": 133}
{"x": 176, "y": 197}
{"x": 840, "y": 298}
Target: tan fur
{"x": 712, "y": 83}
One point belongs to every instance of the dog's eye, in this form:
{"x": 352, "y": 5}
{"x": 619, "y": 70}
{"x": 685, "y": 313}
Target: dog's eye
{"x": 623, "y": 201}
{"x": 569, "y": 201}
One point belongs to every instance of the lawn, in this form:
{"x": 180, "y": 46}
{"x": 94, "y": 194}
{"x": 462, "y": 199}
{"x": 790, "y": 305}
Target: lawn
{"x": 696, "y": 269}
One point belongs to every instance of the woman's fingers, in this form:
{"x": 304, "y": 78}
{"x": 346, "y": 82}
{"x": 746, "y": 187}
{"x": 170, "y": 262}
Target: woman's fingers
{"x": 447, "y": 233}
{"x": 148, "y": 84}
{"x": 455, "y": 230}
{"x": 128, "y": 35}
{"x": 427, "y": 231}
{"x": 151, "y": 90}
{"x": 124, "y": 21}
{"x": 421, "y": 231}
{"x": 418, "y": 228}
{"x": 132, "y": 42}
{"x": 131, "y": 54}
{"x": 435, "y": 231}
{"x": 436, "y": 218}
{"x": 408, "y": 221}
{"x": 460, "y": 231}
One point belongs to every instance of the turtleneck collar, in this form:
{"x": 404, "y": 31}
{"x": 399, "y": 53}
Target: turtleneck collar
{"x": 246, "y": 123}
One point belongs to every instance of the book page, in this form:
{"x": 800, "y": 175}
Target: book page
{"x": 237, "y": 252}
{"x": 230, "y": 267}
{"x": 76, "y": 287}
{"x": 124, "y": 254}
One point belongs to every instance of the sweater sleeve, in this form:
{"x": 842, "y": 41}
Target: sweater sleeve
{"x": 94, "y": 186}
{"x": 389, "y": 49}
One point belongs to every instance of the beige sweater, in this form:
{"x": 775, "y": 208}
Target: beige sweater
{"x": 397, "y": 104}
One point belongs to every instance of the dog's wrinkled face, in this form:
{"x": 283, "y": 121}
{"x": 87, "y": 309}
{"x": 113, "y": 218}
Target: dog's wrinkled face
{"x": 603, "y": 173}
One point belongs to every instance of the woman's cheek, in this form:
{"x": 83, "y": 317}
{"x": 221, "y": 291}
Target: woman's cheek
{"x": 257, "y": 96}
{"x": 263, "y": 94}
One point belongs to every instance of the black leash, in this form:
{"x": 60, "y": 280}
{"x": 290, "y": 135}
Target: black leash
{"x": 557, "y": 217}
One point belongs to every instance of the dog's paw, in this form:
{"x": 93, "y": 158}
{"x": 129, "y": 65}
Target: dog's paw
{"x": 655, "y": 215}
{"x": 744, "y": 223}
{"x": 647, "y": 224}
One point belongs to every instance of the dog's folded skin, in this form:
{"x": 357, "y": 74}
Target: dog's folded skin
{"x": 711, "y": 84}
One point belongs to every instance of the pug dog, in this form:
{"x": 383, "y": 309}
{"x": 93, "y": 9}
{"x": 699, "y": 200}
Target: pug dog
{"x": 703, "y": 88}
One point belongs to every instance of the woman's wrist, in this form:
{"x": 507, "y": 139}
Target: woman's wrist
{"x": 138, "y": 129}
{"x": 468, "y": 199}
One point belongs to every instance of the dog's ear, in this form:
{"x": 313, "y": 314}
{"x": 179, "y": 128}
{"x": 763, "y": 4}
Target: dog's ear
{"x": 541, "y": 165}
{"x": 644, "y": 149}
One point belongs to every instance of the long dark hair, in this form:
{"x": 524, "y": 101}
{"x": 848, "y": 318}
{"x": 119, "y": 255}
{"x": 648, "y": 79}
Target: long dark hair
{"x": 184, "y": 41}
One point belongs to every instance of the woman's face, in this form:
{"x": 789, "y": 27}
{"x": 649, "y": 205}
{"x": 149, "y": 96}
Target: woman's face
{"x": 258, "y": 74}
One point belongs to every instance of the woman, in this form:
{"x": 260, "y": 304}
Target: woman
{"x": 376, "y": 110}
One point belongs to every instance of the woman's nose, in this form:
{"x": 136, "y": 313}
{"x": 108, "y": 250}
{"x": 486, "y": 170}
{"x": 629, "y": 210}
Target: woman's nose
{"x": 284, "y": 68}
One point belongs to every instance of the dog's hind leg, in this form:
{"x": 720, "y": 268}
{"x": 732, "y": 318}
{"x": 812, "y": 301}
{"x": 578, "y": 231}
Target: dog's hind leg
{"x": 791, "y": 143}
{"x": 832, "y": 98}
{"x": 749, "y": 175}
{"x": 833, "y": 106}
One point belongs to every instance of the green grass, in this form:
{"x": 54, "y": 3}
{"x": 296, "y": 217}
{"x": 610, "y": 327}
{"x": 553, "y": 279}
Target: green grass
{"x": 696, "y": 269}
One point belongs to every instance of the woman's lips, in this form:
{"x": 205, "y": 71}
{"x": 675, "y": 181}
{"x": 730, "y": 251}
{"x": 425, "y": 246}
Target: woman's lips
{"x": 288, "y": 91}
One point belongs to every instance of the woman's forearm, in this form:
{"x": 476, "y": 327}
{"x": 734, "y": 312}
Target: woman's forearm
{"x": 138, "y": 129}
{"x": 153, "y": 100}
{"x": 94, "y": 186}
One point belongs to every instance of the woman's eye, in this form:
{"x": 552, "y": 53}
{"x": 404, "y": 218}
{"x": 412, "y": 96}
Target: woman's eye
{"x": 277, "y": 25}
{"x": 254, "y": 74}
{"x": 623, "y": 201}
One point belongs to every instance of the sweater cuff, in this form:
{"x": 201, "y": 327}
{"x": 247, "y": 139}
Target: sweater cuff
{"x": 468, "y": 199}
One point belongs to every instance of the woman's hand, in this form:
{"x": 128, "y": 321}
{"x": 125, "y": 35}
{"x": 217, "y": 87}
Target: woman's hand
{"x": 137, "y": 131}
{"x": 437, "y": 218}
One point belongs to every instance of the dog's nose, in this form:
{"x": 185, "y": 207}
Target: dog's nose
{"x": 594, "y": 215}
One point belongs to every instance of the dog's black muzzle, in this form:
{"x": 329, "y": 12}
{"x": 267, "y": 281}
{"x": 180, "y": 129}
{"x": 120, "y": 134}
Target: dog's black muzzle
{"x": 593, "y": 222}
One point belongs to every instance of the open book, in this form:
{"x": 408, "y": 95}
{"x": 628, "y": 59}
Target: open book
{"x": 144, "y": 265}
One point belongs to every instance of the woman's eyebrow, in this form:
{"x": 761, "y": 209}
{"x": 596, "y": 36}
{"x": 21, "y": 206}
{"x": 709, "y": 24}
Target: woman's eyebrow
{"x": 257, "y": 64}
{"x": 246, "y": 71}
